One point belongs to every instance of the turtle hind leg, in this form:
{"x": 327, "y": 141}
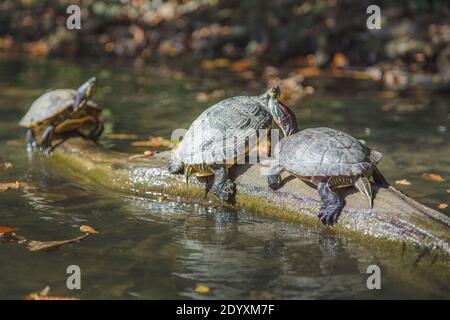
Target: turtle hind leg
{"x": 208, "y": 181}
{"x": 30, "y": 140}
{"x": 363, "y": 185}
{"x": 223, "y": 187}
{"x": 331, "y": 206}
{"x": 46, "y": 140}
{"x": 274, "y": 180}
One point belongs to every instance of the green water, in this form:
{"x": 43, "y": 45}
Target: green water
{"x": 148, "y": 249}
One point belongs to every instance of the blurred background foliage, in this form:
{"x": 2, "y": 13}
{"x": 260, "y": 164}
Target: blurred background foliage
{"x": 414, "y": 38}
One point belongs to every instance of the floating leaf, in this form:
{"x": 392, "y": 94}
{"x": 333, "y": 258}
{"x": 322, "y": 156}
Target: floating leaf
{"x": 448, "y": 190}
{"x": 8, "y": 234}
{"x": 442, "y": 205}
{"x": 433, "y": 177}
{"x": 7, "y": 165}
{"x": 202, "y": 289}
{"x": 154, "y": 142}
{"x": 146, "y": 154}
{"x": 403, "y": 182}
{"x": 340, "y": 60}
{"x": 388, "y": 94}
{"x": 6, "y": 230}
{"x": 43, "y": 295}
{"x": 88, "y": 229}
{"x": 11, "y": 185}
{"x": 122, "y": 136}
{"x": 47, "y": 245}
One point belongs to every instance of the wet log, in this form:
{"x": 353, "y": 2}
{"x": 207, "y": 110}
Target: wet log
{"x": 394, "y": 220}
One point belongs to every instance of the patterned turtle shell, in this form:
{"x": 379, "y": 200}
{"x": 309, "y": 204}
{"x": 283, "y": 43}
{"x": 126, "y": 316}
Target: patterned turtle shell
{"x": 326, "y": 152}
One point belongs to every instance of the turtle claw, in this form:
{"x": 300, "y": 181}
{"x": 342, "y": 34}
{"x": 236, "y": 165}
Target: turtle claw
{"x": 331, "y": 206}
{"x": 46, "y": 151}
{"x": 31, "y": 146}
{"x": 328, "y": 218}
{"x": 225, "y": 191}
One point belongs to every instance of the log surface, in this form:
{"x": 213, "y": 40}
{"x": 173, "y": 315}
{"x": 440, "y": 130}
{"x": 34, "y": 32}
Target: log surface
{"x": 394, "y": 217}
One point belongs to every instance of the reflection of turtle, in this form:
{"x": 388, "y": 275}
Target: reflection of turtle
{"x": 62, "y": 111}
{"x": 330, "y": 159}
{"x": 221, "y": 135}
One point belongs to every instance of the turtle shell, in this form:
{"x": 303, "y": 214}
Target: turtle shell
{"x": 220, "y": 133}
{"x": 50, "y": 105}
{"x": 326, "y": 152}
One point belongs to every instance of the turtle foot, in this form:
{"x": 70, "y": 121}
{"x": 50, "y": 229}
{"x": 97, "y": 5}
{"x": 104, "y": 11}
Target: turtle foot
{"x": 331, "y": 206}
{"x": 46, "y": 151}
{"x": 225, "y": 190}
{"x": 31, "y": 146}
{"x": 274, "y": 181}
{"x": 329, "y": 214}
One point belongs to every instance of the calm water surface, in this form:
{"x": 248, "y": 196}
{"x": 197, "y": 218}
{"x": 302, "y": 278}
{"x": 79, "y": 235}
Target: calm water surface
{"x": 148, "y": 249}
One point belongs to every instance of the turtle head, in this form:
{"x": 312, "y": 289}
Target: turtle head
{"x": 284, "y": 117}
{"x": 84, "y": 93}
{"x": 272, "y": 92}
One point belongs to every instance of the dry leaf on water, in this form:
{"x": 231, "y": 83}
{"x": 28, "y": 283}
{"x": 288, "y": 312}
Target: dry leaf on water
{"x": 7, "y": 234}
{"x": 433, "y": 177}
{"x": 122, "y": 136}
{"x": 339, "y": 60}
{"x": 154, "y": 142}
{"x": 202, "y": 289}
{"x": 43, "y": 295}
{"x": 7, "y": 165}
{"x": 6, "y": 230}
{"x": 88, "y": 229}
{"x": 442, "y": 205}
{"x": 403, "y": 182}
{"x": 388, "y": 94}
{"x": 146, "y": 154}
{"x": 9, "y": 185}
{"x": 47, "y": 245}
{"x": 448, "y": 190}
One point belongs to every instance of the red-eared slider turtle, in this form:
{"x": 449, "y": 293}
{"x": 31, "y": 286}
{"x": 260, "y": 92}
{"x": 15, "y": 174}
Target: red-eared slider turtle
{"x": 61, "y": 111}
{"x": 220, "y": 135}
{"x": 330, "y": 159}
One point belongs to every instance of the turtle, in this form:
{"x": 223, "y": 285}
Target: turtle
{"x": 221, "y": 134}
{"x": 62, "y": 111}
{"x": 329, "y": 159}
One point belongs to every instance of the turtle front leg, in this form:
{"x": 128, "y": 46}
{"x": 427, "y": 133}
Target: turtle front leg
{"x": 97, "y": 131}
{"x": 331, "y": 206}
{"x": 274, "y": 177}
{"x": 46, "y": 140}
{"x": 223, "y": 187}
{"x": 30, "y": 140}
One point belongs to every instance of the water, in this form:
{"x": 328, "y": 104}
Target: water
{"x": 150, "y": 250}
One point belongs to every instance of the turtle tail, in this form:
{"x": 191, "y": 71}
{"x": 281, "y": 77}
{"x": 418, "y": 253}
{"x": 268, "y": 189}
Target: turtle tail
{"x": 363, "y": 185}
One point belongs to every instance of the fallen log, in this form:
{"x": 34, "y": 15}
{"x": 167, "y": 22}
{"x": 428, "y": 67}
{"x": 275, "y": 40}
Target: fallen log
{"x": 395, "y": 218}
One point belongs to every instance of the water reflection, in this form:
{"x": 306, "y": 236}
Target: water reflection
{"x": 152, "y": 248}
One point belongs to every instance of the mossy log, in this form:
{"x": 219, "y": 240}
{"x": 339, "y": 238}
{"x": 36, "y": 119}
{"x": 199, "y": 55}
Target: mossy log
{"x": 394, "y": 219}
